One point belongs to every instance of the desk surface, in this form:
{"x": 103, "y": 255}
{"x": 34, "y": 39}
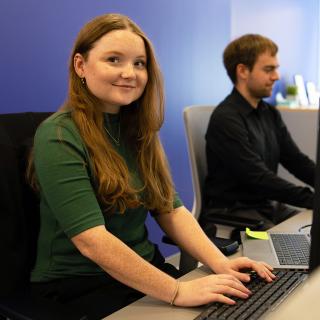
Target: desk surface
{"x": 150, "y": 308}
{"x": 298, "y": 108}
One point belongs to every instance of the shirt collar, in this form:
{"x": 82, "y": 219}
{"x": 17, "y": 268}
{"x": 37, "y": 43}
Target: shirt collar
{"x": 244, "y": 105}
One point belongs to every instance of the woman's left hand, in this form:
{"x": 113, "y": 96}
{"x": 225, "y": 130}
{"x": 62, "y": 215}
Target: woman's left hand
{"x": 235, "y": 266}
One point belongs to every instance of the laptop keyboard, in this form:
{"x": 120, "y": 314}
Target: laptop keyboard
{"x": 291, "y": 249}
{"x": 265, "y": 296}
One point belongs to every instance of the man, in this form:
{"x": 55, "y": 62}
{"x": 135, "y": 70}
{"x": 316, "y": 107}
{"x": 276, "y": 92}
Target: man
{"x": 247, "y": 139}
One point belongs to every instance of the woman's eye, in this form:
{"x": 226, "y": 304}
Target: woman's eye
{"x": 140, "y": 64}
{"x": 113, "y": 59}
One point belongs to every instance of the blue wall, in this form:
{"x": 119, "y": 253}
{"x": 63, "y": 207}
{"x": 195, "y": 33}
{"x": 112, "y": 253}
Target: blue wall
{"x": 36, "y": 37}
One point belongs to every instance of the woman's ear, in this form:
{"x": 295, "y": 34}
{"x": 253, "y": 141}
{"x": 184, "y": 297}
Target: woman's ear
{"x": 78, "y": 63}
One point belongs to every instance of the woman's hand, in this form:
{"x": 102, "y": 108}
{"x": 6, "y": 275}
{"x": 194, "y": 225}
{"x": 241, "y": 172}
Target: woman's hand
{"x": 234, "y": 267}
{"x": 210, "y": 288}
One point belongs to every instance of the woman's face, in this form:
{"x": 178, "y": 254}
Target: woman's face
{"x": 115, "y": 69}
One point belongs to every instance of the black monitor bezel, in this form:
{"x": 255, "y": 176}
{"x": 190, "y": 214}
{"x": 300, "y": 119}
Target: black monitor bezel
{"x": 315, "y": 229}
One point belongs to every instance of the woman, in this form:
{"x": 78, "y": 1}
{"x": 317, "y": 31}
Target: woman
{"x": 100, "y": 167}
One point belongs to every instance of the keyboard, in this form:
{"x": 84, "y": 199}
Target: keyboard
{"x": 265, "y": 297}
{"x": 291, "y": 249}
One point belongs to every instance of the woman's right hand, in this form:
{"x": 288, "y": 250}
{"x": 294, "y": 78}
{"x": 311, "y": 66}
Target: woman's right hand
{"x": 209, "y": 289}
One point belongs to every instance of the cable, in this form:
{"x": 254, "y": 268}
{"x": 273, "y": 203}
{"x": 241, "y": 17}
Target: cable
{"x": 303, "y": 227}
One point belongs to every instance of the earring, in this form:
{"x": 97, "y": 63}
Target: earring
{"x": 83, "y": 80}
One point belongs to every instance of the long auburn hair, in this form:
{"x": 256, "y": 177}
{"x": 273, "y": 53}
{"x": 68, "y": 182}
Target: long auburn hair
{"x": 140, "y": 124}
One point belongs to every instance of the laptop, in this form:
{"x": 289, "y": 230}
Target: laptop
{"x": 281, "y": 250}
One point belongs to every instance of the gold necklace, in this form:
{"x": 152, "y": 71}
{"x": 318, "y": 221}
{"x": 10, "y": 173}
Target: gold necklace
{"x": 116, "y": 141}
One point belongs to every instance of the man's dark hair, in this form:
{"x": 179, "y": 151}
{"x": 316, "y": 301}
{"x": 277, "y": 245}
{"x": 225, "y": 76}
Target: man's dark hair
{"x": 246, "y": 50}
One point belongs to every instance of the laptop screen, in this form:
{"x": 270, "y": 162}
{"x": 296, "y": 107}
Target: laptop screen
{"x": 315, "y": 229}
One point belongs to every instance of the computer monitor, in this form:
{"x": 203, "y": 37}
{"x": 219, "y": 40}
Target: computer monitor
{"x": 315, "y": 229}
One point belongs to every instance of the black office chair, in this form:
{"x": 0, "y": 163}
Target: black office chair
{"x": 19, "y": 224}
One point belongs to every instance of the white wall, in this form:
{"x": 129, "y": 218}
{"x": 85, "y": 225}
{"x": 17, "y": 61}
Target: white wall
{"x": 292, "y": 24}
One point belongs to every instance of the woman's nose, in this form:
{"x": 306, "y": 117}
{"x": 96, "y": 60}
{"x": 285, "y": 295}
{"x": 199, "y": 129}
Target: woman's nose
{"x": 128, "y": 71}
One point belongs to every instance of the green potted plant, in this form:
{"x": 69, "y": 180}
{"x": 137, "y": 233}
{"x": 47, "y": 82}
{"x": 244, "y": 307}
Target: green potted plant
{"x": 292, "y": 96}
{"x": 292, "y": 90}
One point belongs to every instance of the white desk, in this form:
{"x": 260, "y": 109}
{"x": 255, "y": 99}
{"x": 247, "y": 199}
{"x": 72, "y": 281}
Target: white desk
{"x": 150, "y": 308}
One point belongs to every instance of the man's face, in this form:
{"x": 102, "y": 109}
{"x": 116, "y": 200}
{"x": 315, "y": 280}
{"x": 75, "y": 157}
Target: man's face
{"x": 261, "y": 78}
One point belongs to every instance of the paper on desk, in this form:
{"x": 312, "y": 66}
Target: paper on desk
{"x": 261, "y": 235}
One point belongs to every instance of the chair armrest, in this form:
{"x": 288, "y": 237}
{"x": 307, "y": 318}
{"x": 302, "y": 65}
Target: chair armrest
{"x": 237, "y": 222}
{"x": 227, "y": 246}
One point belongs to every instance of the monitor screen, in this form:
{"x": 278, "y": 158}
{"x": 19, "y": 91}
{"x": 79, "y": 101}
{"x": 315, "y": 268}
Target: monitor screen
{"x": 315, "y": 229}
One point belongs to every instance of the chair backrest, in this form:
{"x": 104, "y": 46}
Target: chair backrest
{"x": 196, "y": 119}
{"x": 19, "y": 206}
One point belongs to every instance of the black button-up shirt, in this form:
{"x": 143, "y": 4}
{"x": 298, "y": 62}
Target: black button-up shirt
{"x": 244, "y": 148}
